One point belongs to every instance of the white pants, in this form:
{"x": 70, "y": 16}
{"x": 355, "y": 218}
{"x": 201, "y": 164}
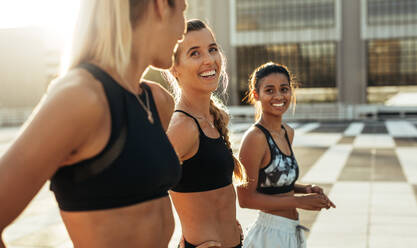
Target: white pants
{"x": 271, "y": 231}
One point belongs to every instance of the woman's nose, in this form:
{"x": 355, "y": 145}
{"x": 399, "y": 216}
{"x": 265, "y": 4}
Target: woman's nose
{"x": 208, "y": 59}
{"x": 278, "y": 95}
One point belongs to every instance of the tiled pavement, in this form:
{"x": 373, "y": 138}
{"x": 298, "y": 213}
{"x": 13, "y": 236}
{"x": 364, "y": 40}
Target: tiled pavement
{"x": 369, "y": 169}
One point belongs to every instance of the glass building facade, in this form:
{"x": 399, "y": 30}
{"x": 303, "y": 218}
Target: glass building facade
{"x": 269, "y": 15}
{"x": 305, "y": 35}
{"x": 392, "y": 61}
{"x": 312, "y": 61}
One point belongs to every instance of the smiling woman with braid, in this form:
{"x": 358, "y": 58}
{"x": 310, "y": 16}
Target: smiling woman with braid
{"x": 205, "y": 198}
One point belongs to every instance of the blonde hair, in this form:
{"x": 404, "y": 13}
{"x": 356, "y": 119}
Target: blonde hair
{"x": 217, "y": 108}
{"x": 103, "y": 33}
{"x": 261, "y": 72}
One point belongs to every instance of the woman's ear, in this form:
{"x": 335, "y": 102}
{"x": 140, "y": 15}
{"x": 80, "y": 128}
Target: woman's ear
{"x": 162, "y": 8}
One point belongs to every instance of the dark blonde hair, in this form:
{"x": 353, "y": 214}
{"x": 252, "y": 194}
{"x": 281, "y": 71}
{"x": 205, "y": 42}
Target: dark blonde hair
{"x": 217, "y": 108}
{"x": 263, "y": 71}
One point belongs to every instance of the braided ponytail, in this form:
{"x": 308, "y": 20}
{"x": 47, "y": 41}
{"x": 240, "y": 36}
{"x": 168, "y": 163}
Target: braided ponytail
{"x": 221, "y": 117}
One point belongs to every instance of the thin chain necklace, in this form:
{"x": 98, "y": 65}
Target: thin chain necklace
{"x": 146, "y": 107}
{"x": 204, "y": 118}
{"x": 200, "y": 117}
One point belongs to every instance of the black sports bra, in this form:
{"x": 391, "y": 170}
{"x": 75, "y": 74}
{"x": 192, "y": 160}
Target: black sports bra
{"x": 138, "y": 163}
{"x": 210, "y": 168}
{"x": 280, "y": 174}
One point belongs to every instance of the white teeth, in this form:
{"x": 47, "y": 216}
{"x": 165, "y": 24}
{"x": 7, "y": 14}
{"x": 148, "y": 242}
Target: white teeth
{"x": 208, "y": 73}
{"x": 278, "y": 104}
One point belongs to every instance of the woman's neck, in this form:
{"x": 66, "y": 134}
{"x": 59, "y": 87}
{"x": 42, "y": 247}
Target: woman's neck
{"x": 196, "y": 103}
{"x": 271, "y": 122}
{"x": 131, "y": 78}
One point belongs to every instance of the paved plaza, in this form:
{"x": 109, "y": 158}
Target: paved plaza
{"x": 369, "y": 170}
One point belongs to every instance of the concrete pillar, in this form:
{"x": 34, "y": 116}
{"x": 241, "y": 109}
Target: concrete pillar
{"x": 220, "y": 21}
{"x": 351, "y": 56}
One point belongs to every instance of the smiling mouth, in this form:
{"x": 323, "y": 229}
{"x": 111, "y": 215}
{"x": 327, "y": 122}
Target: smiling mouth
{"x": 278, "y": 104}
{"x": 208, "y": 74}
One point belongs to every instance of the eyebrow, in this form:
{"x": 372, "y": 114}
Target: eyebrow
{"x": 196, "y": 47}
{"x": 271, "y": 85}
{"x": 192, "y": 48}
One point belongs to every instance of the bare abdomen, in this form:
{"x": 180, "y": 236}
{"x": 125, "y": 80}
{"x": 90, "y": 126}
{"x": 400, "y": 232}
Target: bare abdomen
{"x": 148, "y": 224}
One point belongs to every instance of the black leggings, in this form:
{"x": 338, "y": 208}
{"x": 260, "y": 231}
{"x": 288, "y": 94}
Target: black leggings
{"x": 188, "y": 245}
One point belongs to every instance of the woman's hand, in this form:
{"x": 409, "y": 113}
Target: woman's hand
{"x": 312, "y": 188}
{"x": 210, "y": 244}
{"x": 314, "y": 201}
{"x": 207, "y": 244}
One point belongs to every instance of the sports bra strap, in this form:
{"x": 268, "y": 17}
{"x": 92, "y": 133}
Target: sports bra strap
{"x": 264, "y": 130}
{"x": 288, "y": 139}
{"x": 192, "y": 117}
{"x": 268, "y": 134}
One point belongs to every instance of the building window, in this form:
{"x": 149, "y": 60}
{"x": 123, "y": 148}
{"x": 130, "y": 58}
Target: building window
{"x": 313, "y": 64}
{"x": 392, "y": 62}
{"x": 391, "y": 12}
{"x": 267, "y": 15}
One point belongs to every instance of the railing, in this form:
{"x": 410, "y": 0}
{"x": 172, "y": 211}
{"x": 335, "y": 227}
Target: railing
{"x": 316, "y": 111}
{"x": 331, "y": 111}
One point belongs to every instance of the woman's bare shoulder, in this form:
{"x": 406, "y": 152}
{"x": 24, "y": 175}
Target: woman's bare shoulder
{"x": 254, "y": 135}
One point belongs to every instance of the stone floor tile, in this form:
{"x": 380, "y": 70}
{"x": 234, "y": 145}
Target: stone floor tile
{"x": 373, "y": 141}
{"x": 316, "y": 140}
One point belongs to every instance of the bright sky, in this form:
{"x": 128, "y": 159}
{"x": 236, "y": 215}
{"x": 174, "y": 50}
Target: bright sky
{"x": 57, "y": 15}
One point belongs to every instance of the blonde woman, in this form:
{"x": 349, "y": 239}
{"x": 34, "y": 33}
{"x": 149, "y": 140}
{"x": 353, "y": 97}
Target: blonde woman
{"x": 271, "y": 166}
{"x": 98, "y": 134}
{"x": 205, "y": 198}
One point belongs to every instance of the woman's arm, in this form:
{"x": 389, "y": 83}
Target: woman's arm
{"x": 184, "y": 136}
{"x": 252, "y": 153}
{"x": 63, "y": 121}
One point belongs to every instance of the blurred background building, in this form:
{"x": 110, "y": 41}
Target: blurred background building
{"x": 345, "y": 54}
{"x": 346, "y": 51}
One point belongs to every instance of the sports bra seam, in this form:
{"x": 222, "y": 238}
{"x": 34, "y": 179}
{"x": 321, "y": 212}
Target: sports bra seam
{"x": 128, "y": 201}
{"x": 214, "y": 188}
{"x": 114, "y": 135}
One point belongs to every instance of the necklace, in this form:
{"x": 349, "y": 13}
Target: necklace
{"x": 205, "y": 119}
{"x": 146, "y": 107}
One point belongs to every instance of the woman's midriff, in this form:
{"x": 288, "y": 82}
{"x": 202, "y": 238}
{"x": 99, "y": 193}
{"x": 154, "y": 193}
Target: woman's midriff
{"x": 208, "y": 215}
{"x": 288, "y": 213}
{"x": 147, "y": 224}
